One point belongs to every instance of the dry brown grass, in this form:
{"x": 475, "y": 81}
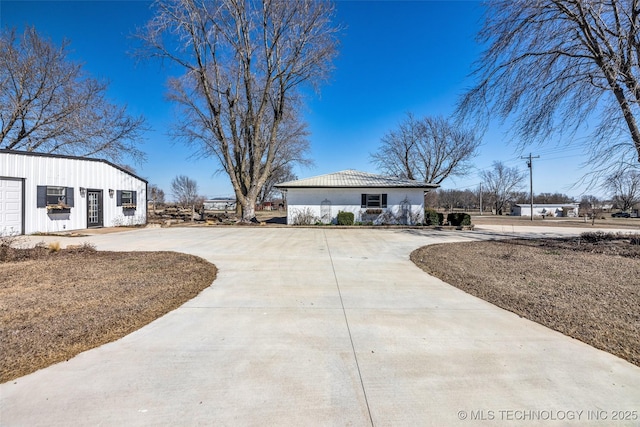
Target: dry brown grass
{"x": 586, "y": 290}
{"x": 56, "y": 304}
{"x": 602, "y": 221}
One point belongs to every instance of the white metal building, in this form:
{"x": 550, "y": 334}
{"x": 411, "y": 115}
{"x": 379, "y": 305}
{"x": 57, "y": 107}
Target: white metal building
{"x": 52, "y": 193}
{"x": 547, "y": 209}
{"x": 371, "y": 198}
{"x": 221, "y": 204}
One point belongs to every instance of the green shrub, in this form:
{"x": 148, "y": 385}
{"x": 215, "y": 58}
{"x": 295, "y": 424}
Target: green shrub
{"x": 345, "y": 218}
{"x": 458, "y": 219}
{"x": 431, "y": 217}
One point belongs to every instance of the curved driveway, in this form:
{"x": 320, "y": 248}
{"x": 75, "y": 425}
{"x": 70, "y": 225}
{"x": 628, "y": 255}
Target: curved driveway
{"x": 325, "y": 327}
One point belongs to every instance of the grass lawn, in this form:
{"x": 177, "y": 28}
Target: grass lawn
{"x": 56, "y": 304}
{"x": 588, "y": 289}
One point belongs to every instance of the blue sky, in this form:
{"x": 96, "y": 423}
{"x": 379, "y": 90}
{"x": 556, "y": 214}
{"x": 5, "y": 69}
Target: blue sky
{"x": 395, "y": 57}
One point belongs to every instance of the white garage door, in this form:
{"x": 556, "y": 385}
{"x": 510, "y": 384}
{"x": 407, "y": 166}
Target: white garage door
{"x": 10, "y": 206}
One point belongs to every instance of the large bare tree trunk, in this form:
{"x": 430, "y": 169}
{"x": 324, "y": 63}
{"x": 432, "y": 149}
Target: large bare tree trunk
{"x": 244, "y": 64}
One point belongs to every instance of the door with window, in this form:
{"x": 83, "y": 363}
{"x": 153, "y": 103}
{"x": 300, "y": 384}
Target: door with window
{"x": 94, "y": 208}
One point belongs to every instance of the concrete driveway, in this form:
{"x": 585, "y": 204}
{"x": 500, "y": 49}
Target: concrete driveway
{"x": 326, "y": 327}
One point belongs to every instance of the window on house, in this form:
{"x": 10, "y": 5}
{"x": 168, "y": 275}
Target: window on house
{"x": 50, "y": 195}
{"x": 126, "y": 198}
{"x": 373, "y": 201}
{"x": 56, "y": 195}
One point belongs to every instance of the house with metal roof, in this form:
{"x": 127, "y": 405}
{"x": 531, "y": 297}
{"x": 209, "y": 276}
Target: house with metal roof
{"x": 374, "y": 199}
{"x": 47, "y": 193}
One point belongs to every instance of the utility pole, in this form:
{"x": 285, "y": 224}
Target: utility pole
{"x": 529, "y": 160}
{"x": 480, "y": 199}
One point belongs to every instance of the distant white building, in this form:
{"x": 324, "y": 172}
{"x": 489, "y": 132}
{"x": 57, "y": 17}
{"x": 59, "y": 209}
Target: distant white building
{"x": 220, "y": 204}
{"x": 371, "y": 198}
{"x": 546, "y": 210}
{"x": 51, "y": 193}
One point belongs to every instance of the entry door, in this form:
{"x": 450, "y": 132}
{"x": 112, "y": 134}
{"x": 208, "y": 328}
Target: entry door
{"x": 94, "y": 208}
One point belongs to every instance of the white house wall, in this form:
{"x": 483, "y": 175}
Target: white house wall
{"x": 349, "y": 199}
{"x": 76, "y": 173}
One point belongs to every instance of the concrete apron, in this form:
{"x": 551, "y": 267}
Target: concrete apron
{"x": 325, "y": 327}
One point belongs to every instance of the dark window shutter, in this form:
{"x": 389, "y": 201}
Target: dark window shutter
{"x": 363, "y": 201}
{"x": 134, "y": 197}
{"x": 384, "y": 200}
{"x": 118, "y": 197}
{"x": 42, "y": 196}
{"x": 69, "y": 196}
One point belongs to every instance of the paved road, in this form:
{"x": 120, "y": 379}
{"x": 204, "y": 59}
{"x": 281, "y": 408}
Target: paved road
{"x": 325, "y": 327}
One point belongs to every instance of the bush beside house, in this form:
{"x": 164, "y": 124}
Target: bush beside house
{"x": 345, "y": 218}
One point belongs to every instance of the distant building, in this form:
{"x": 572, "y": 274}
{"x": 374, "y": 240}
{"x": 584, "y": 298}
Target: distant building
{"x": 221, "y": 204}
{"x": 569, "y": 210}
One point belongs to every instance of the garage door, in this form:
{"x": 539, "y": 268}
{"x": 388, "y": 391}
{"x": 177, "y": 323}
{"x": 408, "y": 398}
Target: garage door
{"x": 10, "y": 206}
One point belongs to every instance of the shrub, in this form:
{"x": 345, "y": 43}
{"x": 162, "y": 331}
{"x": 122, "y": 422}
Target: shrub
{"x": 345, "y": 218}
{"x": 459, "y": 219}
{"x": 305, "y": 217}
{"x": 596, "y": 236}
{"x": 83, "y": 248}
{"x": 431, "y": 217}
{"x": 602, "y": 236}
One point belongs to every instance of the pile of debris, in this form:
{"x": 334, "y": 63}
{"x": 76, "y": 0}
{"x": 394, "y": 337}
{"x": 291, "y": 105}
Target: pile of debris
{"x": 174, "y": 214}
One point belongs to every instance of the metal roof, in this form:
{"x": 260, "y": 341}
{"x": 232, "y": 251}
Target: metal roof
{"x": 354, "y": 179}
{"x": 65, "y": 156}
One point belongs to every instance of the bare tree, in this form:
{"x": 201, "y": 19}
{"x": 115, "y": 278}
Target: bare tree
{"x": 429, "y": 150}
{"x": 280, "y": 174}
{"x": 457, "y": 199}
{"x": 49, "y": 104}
{"x": 501, "y": 184}
{"x": 184, "y": 190}
{"x": 624, "y": 187}
{"x": 555, "y": 65}
{"x": 552, "y": 198}
{"x": 590, "y": 205}
{"x": 156, "y": 196}
{"x": 245, "y": 63}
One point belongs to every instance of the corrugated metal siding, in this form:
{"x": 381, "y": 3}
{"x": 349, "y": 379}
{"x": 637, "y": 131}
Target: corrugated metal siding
{"x": 76, "y": 173}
